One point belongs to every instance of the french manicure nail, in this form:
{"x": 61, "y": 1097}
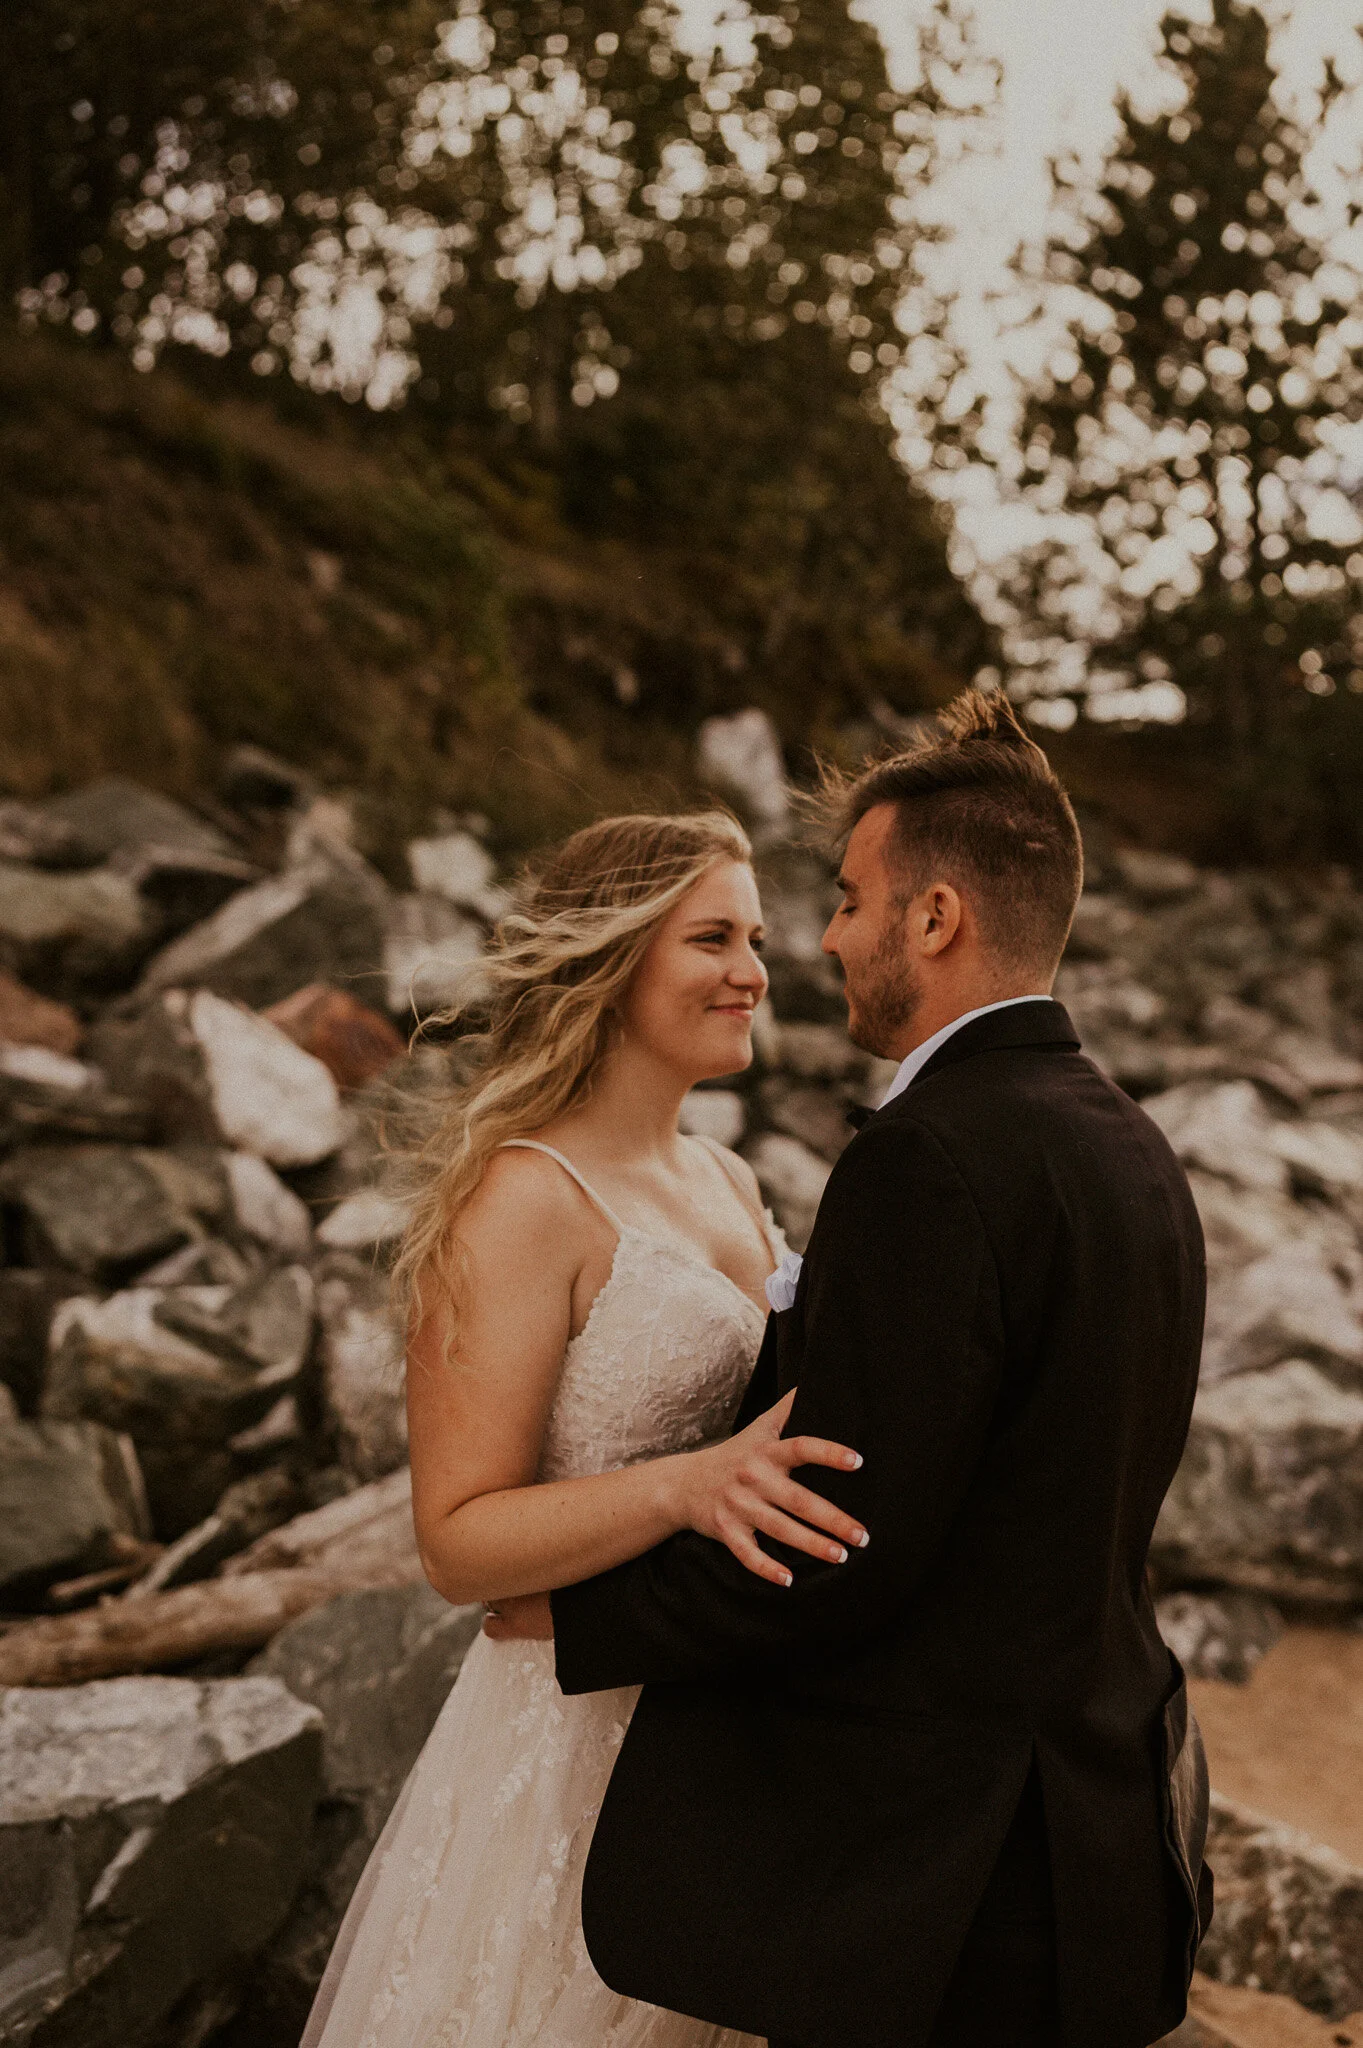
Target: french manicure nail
{"x": 839, "y": 1554}
{"x": 787, "y": 1579}
{"x": 858, "y": 1462}
{"x": 863, "y": 1539}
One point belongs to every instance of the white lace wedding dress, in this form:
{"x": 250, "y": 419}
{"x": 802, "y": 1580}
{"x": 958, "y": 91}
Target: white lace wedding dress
{"x": 464, "y": 1929}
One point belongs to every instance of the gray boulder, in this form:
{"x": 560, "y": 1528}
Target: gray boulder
{"x": 715, "y": 1113}
{"x": 68, "y": 934}
{"x": 1103, "y": 927}
{"x": 321, "y": 921}
{"x": 1104, "y": 996}
{"x": 361, "y": 1352}
{"x": 369, "y": 1220}
{"x": 182, "y": 887}
{"x": 68, "y": 1492}
{"x": 792, "y": 1180}
{"x": 116, "y": 816}
{"x": 824, "y": 1052}
{"x": 1219, "y": 1635}
{"x": 46, "y": 1095}
{"x": 1287, "y": 1304}
{"x": 456, "y": 867}
{"x": 1243, "y": 1224}
{"x": 1324, "y": 1159}
{"x": 798, "y": 899}
{"x": 739, "y": 757}
{"x": 155, "y": 1830}
{"x": 432, "y": 956}
{"x": 365, "y": 1533}
{"x": 1269, "y": 1495}
{"x": 106, "y": 1210}
{"x": 266, "y": 1211}
{"x": 255, "y": 780}
{"x": 181, "y": 1399}
{"x": 28, "y": 1300}
{"x": 30, "y": 834}
{"x": 379, "y": 1666}
{"x": 1289, "y": 1913}
{"x": 1224, "y": 1128}
{"x": 207, "y": 1262}
{"x": 816, "y": 1116}
{"x": 1155, "y": 877}
{"x": 212, "y": 1072}
{"x": 265, "y": 1325}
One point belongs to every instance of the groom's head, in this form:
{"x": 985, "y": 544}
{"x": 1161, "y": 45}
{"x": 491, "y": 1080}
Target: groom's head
{"x": 961, "y": 867}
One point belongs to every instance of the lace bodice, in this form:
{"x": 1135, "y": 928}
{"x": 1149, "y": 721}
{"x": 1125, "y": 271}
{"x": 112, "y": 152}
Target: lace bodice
{"x": 662, "y": 1360}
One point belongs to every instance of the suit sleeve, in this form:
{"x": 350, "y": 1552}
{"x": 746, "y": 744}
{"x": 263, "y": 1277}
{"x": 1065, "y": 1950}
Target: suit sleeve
{"x": 902, "y": 1359}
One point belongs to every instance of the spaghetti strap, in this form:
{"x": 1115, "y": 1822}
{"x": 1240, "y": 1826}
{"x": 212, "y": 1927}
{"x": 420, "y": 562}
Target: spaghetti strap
{"x": 535, "y": 1145}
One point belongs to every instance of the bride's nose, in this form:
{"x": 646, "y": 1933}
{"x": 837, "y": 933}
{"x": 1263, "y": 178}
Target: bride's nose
{"x": 747, "y": 971}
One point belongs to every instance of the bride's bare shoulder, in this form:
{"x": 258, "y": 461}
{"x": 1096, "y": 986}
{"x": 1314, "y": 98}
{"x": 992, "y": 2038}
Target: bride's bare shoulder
{"x": 523, "y": 1196}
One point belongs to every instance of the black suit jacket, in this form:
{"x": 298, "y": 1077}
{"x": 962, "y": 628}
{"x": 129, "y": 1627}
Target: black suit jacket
{"x": 1001, "y": 1307}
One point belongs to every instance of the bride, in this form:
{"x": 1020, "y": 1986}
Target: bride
{"x": 585, "y": 1290}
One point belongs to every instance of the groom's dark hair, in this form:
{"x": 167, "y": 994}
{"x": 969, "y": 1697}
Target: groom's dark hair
{"x": 977, "y": 804}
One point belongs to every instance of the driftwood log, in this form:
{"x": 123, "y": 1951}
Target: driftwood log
{"x": 361, "y": 1541}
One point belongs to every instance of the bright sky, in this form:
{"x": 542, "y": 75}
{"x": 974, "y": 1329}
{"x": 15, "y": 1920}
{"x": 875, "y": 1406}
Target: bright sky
{"x": 1063, "y": 63}
{"x": 1064, "y": 60}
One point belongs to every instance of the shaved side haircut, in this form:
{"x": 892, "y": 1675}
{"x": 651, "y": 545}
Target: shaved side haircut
{"x": 979, "y": 806}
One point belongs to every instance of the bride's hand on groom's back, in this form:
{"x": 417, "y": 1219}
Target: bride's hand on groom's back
{"x": 733, "y": 1490}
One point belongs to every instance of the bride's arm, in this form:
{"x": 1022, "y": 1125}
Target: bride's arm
{"x": 485, "y": 1529}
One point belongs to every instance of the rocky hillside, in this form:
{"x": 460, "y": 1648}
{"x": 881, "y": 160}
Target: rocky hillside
{"x": 205, "y": 1542}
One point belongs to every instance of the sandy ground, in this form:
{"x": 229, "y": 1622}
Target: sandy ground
{"x": 1289, "y": 1744}
{"x": 1223, "y": 2017}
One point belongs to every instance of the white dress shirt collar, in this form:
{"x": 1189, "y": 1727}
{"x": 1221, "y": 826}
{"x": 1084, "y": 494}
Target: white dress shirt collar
{"x": 910, "y": 1068}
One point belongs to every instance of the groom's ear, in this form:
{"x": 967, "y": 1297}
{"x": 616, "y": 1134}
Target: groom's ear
{"x": 936, "y": 916}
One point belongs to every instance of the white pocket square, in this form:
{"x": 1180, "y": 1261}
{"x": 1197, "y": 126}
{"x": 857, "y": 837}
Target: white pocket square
{"x": 782, "y": 1283}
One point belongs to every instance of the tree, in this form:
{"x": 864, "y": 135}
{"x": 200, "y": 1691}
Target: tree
{"x": 268, "y": 164}
{"x": 660, "y": 265}
{"x": 1186, "y": 416}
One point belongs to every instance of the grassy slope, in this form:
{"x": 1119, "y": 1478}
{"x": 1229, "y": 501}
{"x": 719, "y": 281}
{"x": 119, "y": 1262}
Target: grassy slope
{"x": 181, "y": 571}
{"x": 178, "y": 573}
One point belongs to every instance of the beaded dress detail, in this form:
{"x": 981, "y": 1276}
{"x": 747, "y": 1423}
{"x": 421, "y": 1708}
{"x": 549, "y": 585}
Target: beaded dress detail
{"x": 464, "y": 1931}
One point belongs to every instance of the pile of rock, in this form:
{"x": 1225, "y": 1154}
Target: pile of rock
{"x": 1234, "y": 1007}
{"x": 202, "y": 1447}
{"x": 202, "y": 1433}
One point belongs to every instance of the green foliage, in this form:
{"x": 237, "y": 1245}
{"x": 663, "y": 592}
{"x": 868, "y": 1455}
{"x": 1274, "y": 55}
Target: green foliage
{"x": 180, "y": 575}
{"x": 146, "y": 147}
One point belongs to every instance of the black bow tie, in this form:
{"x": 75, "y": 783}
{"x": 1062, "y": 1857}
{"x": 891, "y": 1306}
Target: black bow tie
{"x": 859, "y": 1115}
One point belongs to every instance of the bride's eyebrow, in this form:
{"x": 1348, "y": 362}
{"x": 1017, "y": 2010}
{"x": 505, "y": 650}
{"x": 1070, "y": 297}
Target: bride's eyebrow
{"x": 720, "y": 924}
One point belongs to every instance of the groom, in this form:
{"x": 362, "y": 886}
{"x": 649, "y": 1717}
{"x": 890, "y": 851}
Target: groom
{"x": 947, "y": 1794}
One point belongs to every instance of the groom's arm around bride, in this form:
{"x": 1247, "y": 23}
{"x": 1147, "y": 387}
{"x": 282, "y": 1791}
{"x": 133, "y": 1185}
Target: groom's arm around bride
{"x": 941, "y": 1792}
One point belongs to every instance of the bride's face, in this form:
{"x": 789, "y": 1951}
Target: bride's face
{"x": 691, "y": 1002}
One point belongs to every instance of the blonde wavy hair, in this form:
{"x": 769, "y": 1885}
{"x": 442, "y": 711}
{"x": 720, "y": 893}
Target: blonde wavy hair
{"x": 547, "y": 1008}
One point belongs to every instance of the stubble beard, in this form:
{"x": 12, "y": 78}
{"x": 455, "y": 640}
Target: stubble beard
{"x": 884, "y": 1000}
